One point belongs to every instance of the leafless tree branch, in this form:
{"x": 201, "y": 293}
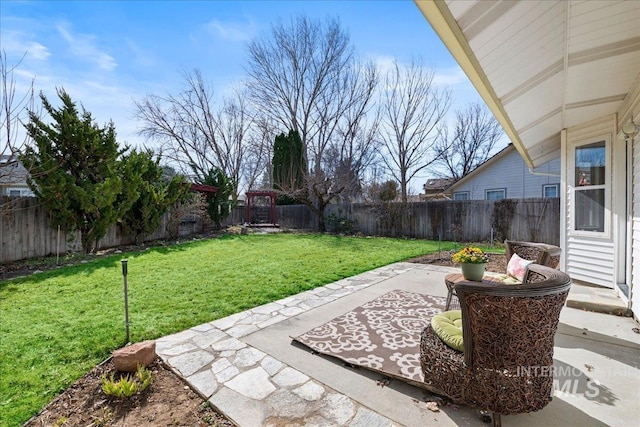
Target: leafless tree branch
{"x": 412, "y": 110}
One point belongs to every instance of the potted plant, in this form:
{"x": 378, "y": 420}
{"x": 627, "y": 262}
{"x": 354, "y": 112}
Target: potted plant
{"x": 472, "y": 261}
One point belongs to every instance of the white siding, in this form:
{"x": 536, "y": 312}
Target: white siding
{"x": 510, "y": 173}
{"x": 635, "y": 251}
{"x": 630, "y": 107}
{"x": 589, "y": 259}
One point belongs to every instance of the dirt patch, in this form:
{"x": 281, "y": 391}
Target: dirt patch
{"x": 167, "y": 402}
{"x": 497, "y": 262}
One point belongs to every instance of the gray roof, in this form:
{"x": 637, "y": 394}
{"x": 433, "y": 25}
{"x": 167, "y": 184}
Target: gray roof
{"x": 12, "y": 171}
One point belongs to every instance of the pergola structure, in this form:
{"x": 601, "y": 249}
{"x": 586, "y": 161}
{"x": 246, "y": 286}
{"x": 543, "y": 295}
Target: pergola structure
{"x": 207, "y": 190}
{"x": 252, "y": 217}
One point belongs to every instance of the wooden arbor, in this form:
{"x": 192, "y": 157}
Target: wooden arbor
{"x": 258, "y": 214}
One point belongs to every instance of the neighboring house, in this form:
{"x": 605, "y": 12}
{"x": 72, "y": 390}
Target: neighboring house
{"x": 563, "y": 79}
{"x": 13, "y": 178}
{"x": 437, "y": 189}
{"x": 505, "y": 176}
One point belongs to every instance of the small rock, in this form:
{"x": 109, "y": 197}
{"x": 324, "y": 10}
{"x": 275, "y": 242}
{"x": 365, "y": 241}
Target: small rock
{"x": 127, "y": 359}
{"x": 36, "y": 271}
{"x": 118, "y": 251}
{"x": 433, "y": 406}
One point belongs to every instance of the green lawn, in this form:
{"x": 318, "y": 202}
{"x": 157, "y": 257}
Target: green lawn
{"x": 55, "y": 326}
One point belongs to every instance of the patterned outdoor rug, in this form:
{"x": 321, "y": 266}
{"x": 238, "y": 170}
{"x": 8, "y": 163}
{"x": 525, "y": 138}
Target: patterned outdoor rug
{"x": 382, "y": 335}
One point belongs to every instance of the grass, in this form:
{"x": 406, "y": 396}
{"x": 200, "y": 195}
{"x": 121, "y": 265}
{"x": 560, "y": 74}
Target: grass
{"x": 57, "y": 325}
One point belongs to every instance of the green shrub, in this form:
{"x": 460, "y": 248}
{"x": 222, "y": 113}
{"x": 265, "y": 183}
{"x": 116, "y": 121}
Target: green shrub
{"x": 127, "y": 385}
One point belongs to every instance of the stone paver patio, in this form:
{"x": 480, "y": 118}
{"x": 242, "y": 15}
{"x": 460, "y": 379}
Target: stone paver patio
{"x": 247, "y": 367}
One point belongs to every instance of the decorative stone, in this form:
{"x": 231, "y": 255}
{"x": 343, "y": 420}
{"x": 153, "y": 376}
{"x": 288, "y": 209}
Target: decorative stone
{"x": 287, "y": 405}
{"x": 206, "y": 339}
{"x": 127, "y": 359}
{"x": 240, "y": 331}
{"x": 205, "y": 382}
{"x": 190, "y": 363}
{"x": 337, "y": 408}
{"x": 228, "y": 344}
{"x": 310, "y": 391}
{"x": 290, "y": 377}
{"x": 227, "y": 373}
{"x": 271, "y": 365}
{"x": 253, "y": 384}
{"x": 246, "y": 412}
{"x": 248, "y": 357}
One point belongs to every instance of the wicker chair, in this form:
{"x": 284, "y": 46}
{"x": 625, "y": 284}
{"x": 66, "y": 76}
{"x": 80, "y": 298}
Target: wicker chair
{"x": 508, "y": 335}
{"x": 540, "y": 253}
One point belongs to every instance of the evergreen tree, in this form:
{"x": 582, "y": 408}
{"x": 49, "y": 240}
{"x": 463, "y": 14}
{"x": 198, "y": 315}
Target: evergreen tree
{"x": 289, "y": 166}
{"x": 151, "y": 193}
{"x": 219, "y": 204}
{"x": 73, "y": 167}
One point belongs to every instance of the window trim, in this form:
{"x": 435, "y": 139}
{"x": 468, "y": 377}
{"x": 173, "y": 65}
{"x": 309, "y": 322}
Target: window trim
{"x": 556, "y": 186}
{"x": 504, "y": 191}
{"x": 571, "y": 184}
{"x": 466, "y": 193}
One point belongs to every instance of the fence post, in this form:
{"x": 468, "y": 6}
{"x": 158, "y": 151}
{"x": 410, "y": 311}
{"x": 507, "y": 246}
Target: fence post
{"x": 126, "y": 297}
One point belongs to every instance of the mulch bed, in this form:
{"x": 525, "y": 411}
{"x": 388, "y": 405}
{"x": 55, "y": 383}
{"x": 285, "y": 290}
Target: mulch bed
{"x": 497, "y": 262}
{"x": 166, "y": 402}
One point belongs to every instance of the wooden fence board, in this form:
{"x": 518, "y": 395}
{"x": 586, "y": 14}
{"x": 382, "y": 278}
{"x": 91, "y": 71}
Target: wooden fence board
{"x": 25, "y": 230}
{"x": 467, "y": 221}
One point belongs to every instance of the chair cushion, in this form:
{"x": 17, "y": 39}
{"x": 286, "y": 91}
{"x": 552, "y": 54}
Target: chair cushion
{"x": 505, "y": 278}
{"x": 448, "y": 327}
{"x": 517, "y": 267}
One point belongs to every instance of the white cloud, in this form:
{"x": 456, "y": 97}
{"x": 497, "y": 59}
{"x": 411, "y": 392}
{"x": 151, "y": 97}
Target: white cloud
{"x": 449, "y": 76}
{"x": 38, "y": 51}
{"x": 83, "y": 45}
{"x": 383, "y": 63}
{"x": 234, "y": 31}
{"x": 17, "y": 43}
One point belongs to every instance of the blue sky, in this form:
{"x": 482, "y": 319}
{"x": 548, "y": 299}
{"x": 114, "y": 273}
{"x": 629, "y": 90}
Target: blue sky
{"x": 107, "y": 54}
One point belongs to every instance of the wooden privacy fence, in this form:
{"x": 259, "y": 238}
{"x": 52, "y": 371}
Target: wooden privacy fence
{"x": 463, "y": 221}
{"x": 26, "y": 232}
{"x": 466, "y": 221}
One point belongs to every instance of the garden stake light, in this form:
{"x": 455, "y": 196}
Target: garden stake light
{"x": 126, "y": 298}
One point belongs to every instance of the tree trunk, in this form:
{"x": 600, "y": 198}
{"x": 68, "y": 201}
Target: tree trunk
{"x": 321, "y": 224}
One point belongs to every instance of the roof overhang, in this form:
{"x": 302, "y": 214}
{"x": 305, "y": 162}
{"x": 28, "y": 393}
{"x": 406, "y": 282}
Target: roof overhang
{"x": 543, "y": 66}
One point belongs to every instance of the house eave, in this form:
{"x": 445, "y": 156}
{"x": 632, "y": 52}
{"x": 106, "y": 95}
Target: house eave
{"x": 445, "y": 25}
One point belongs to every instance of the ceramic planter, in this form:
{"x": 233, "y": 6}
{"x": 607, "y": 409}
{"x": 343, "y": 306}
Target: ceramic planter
{"x": 473, "y": 272}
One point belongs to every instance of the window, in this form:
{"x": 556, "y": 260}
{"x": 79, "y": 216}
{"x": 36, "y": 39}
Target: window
{"x": 589, "y": 187}
{"x": 461, "y": 195}
{"x": 14, "y": 193}
{"x": 495, "y": 194}
{"x": 550, "y": 191}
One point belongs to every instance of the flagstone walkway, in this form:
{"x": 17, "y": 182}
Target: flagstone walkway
{"x": 247, "y": 366}
{"x": 252, "y": 387}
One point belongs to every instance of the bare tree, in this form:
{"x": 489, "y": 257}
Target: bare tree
{"x": 14, "y": 114}
{"x": 412, "y": 110}
{"x": 305, "y": 78}
{"x": 193, "y": 134}
{"x": 257, "y": 163}
{"x": 470, "y": 143}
